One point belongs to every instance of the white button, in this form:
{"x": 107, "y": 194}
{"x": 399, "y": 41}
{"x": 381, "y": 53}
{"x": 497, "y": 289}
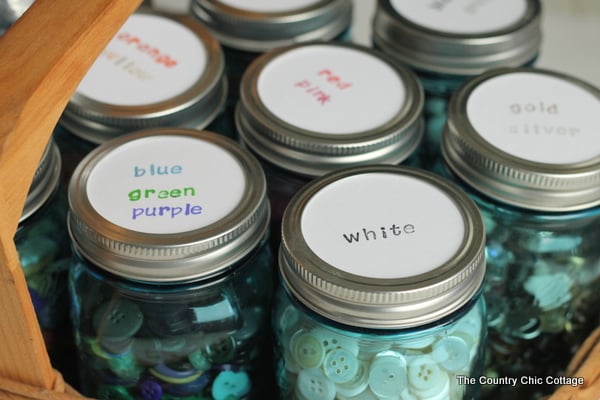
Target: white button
{"x": 426, "y": 377}
{"x": 331, "y": 340}
{"x": 340, "y": 365}
{"x": 417, "y": 342}
{"x": 357, "y": 384}
{"x": 451, "y": 352}
{"x": 387, "y": 375}
{"x": 313, "y": 385}
{"x": 366, "y": 394}
{"x": 306, "y": 350}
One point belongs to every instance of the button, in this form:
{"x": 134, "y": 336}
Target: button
{"x": 199, "y": 361}
{"x": 358, "y": 383}
{"x": 172, "y": 375}
{"x": 340, "y": 365}
{"x": 289, "y": 318}
{"x": 387, "y": 374}
{"x": 331, "y": 340}
{"x": 306, "y": 350}
{"x": 312, "y": 384}
{"x": 550, "y": 291}
{"x": 451, "y": 352}
{"x": 417, "y": 342}
{"x": 125, "y": 366}
{"x": 231, "y": 384}
{"x": 221, "y": 350}
{"x": 117, "y": 320}
{"x": 426, "y": 377}
{"x": 150, "y": 390}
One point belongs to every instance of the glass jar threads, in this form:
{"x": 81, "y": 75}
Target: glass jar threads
{"x": 157, "y": 71}
{"x": 381, "y": 269}
{"x": 447, "y": 42}
{"x": 172, "y": 286}
{"x": 42, "y": 244}
{"x": 523, "y": 142}
{"x": 308, "y": 109}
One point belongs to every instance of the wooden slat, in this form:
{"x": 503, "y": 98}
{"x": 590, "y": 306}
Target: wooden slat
{"x": 45, "y": 54}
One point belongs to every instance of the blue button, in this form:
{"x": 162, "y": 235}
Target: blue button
{"x": 387, "y": 374}
{"x": 172, "y": 375}
{"x": 117, "y": 320}
{"x": 312, "y": 384}
{"x": 357, "y": 384}
{"x": 151, "y": 390}
{"x": 230, "y": 383}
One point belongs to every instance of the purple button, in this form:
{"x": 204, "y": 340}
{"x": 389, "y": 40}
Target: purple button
{"x": 151, "y": 390}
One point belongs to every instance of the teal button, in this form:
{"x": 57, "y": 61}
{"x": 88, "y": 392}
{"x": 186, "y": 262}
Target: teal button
{"x": 452, "y": 353}
{"x": 340, "y": 365}
{"x": 312, "y": 384}
{"x": 113, "y": 392}
{"x": 231, "y": 385}
{"x": 387, "y": 374}
{"x": 426, "y": 377}
{"x": 199, "y": 361}
{"x": 117, "y": 320}
{"x": 358, "y": 384}
{"x": 125, "y": 366}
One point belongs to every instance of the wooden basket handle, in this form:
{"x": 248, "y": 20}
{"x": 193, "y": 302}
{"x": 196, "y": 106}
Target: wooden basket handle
{"x": 45, "y": 54}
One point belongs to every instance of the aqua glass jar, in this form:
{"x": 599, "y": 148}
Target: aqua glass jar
{"x": 157, "y": 71}
{"x": 311, "y": 108}
{"x": 172, "y": 285}
{"x": 247, "y": 29}
{"x": 448, "y": 42}
{"x": 366, "y": 308}
{"x": 524, "y": 143}
{"x": 42, "y": 244}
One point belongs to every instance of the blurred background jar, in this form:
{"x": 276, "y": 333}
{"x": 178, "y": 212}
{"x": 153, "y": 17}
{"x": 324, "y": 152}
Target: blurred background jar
{"x": 524, "y": 143}
{"x": 381, "y": 269}
{"x": 43, "y": 246}
{"x": 157, "y": 71}
{"x": 10, "y": 11}
{"x": 171, "y": 288}
{"x": 447, "y": 42}
{"x": 311, "y": 108}
{"x": 247, "y": 29}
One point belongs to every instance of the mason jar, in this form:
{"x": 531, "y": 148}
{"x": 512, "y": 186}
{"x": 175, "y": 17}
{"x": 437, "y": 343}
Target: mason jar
{"x": 448, "y": 42}
{"x": 172, "y": 284}
{"x": 11, "y": 11}
{"x": 247, "y": 29}
{"x": 157, "y": 71}
{"x": 381, "y": 269}
{"x": 42, "y": 244}
{"x": 308, "y": 109}
{"x": 524, "y": 143}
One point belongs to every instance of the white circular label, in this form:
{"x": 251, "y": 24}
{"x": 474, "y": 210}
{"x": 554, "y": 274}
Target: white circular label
{"x": 166, "y": 184}
{"x": 537, "y": 117}
{"x": 270, "y": 6}
{"x": 462, "y": 16}
{"x": 330, "y": 89}
{"x": 382, "y": 225}
{"x": 152, "y": 59}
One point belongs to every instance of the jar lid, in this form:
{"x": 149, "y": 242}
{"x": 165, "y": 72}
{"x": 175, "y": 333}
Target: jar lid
{"x": 157, "y": 71}
{"x": 168, "y": 205}
{"x": 311, "y": 108}
{"x": 459, "y": 37}
{"x": 387, "y": 247}
{"x": 45, "y": 180}
{"x": 527, "y": 137}
{"x": 261, "y": 25}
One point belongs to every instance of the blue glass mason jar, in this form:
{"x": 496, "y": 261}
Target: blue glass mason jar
{"x": 42, "y": 244}
{"x": 247, "y": 29}
{"x": 366, "y": 308}
{"x": 448, "y": 42}
{"x": 157, "y": 71}
{"x": 311, "y": 108}
{"x": 524, "y": 143}
{"x": 172, "y": 285}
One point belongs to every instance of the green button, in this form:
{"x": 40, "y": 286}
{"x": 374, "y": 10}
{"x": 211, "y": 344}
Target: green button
{"x": 117, "y": 320}
{"x": 306, "y": 350}
{"x": 113, "y": 392}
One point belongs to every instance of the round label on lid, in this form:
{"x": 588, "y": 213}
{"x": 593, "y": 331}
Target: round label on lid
{"x": 331, "y": 89}
{"x": 383, "y": 225}
{"x": 166, "y": 184}
{"x": 269, "y": 6}
{"x": 462, "y": 16}
{"x": 150, "y": 60}
{"x": 537, "y": 117}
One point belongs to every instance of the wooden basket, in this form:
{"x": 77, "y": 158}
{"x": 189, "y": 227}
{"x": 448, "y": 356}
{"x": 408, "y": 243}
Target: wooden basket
{"x": 44, "y": 57}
